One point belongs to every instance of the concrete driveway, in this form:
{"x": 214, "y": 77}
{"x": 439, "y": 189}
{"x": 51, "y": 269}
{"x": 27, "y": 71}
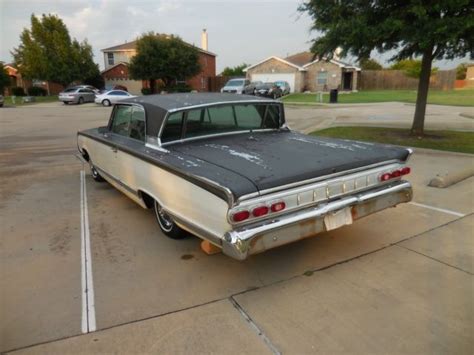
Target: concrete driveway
{"x": 307, "y": 118}
{"x": 400, "y": 281}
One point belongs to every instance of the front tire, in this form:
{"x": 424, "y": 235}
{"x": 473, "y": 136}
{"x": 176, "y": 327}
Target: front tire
{"x": 106, "y": 103}
{"x": 95, "y": 174}
{"x": 166, "y": 223}
{"x": 81, "y": 101}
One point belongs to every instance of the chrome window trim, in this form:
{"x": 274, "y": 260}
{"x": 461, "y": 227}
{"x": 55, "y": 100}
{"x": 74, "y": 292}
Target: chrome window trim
{"x": 266, "y": 102}
{"x": 218, "y": 135}
{"x": 224, "y": 103}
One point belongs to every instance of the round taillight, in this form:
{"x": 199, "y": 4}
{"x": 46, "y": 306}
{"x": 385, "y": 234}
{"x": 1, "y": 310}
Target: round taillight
{"x": 385, "y": 177}
{"x": 405, "y": 170}
{"x": 260, "y": 211}
{"x": 278, "y": 206}
{"x": 240, "y": 216}
{"x": 396, "y": 173}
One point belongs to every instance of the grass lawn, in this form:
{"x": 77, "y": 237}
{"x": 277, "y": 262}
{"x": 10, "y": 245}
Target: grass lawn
{"x": 463, "y": 97}
{"x": 19, "y": 100}
{"x": 453, "y": 141}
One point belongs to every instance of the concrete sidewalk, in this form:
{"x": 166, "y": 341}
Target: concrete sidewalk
{"x": 415, "y": 296}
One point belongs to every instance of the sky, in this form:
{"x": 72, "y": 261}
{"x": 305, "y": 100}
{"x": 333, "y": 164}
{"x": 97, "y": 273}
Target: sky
{"x": 239, "y": 30}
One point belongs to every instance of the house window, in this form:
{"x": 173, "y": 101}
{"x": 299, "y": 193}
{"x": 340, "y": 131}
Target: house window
{"x": 110, "y": 58}
{"x": 322, "y": 78}
{"x": 203, "y": 82}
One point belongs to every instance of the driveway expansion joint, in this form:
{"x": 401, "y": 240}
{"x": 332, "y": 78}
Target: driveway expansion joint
{"x": 254, "y": 326}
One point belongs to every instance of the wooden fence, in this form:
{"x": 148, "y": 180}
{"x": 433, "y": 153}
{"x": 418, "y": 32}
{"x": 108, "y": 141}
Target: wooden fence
{"x": 397, "y": 80}
{"x": 216, "y": 83}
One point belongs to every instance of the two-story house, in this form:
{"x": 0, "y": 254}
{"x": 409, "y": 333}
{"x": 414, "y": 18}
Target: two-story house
{"x": 116, "y": 61}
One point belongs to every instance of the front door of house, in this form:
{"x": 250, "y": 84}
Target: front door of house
{"x": 347, "y": 85}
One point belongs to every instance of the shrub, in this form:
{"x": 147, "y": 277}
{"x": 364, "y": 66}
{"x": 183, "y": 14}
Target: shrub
{"x": 146, "y": 91}
{"x": 18, "y": 91}
{"x": 182, "y": 87}
{"x": 37, "y": 91}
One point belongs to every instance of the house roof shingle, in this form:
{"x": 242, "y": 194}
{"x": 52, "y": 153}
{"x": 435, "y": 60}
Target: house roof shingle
{"x": 300, "y": 59}
{"x": 128, "y": 46}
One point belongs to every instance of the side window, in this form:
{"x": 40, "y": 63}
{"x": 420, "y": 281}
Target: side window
{"x": 121, "y": 120}
{"x": 247, "y": 82}
{"x": 137, "y": 123}
{"x": 248, "y": 116}
{"x": 173, "y": 128}
{"x": 322, "y": 77}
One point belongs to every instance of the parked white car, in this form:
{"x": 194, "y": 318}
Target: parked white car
{"x": 112, "y": 97}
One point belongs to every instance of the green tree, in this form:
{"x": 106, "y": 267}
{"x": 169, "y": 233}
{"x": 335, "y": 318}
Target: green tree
{"x": 411, "y": 67}
{"x": 4, "y": 78}
{"x": 369, "y": 64}
{"x": 47, "y": 52}
{"x": 461, "y": 71}
{"x": 163, "y": 57}
{"x": 235, "y": 71}
{"x": 433, "y": 30}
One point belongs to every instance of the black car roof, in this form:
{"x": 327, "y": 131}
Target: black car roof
{"x": 157, "y": 106}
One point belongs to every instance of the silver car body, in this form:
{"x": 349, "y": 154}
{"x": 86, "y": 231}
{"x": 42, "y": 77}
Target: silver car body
{"x": 76, "y": 95}
{"x": 111, "y": 97}
{"x": 238, "y": 86}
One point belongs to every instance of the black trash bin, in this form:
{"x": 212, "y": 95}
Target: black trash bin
{"x": 333, "y": 96}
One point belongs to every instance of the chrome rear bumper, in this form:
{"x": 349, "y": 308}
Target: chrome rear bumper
{"x": 268, "y": 234}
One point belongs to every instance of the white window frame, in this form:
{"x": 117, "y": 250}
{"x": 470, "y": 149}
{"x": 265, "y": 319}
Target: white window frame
{"x": 322, "y": 81}
{"x": 110, "y": 57}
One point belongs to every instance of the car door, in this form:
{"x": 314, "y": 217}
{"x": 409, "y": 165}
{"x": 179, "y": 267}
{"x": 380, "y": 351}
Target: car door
{"x": 117, "y": 131}
{"x": 116, "y": 96}
{"x": 127, "y": 164}
{"x": 90, "y": 96}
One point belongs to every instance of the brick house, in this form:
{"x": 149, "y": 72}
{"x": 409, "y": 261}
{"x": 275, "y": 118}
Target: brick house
{"x": 305, "y": 73}
{"x": 116, "y": 61}
{"x": 16, "y": 80}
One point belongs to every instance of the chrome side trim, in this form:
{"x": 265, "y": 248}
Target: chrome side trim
{"x": 196, "y": 230}
{"x": 117, "y": 181}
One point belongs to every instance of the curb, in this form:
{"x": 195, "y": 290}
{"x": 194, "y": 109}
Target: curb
{"x": 451, "y": 179}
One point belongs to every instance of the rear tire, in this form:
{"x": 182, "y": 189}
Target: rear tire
{"x": 166, "y": 223}
{"x": 106, "y": 103}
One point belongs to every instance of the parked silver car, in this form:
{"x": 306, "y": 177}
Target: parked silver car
{"x": 90, "y": 87}
{"x": 238, "y": 86}
{"x": 111, "y": 97}
{"x": 76, "y": 95}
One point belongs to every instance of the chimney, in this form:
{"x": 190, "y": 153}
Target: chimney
{"x": 337, "y": 53}
{"x": 204, "y": 39}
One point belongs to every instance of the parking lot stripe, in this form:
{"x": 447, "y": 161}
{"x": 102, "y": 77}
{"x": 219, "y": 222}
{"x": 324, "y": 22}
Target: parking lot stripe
{"x": 438, "y": 209}
{"x": 88, "y": 305}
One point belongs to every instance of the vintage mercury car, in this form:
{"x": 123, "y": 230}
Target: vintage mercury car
{"x": 227, "y": 169}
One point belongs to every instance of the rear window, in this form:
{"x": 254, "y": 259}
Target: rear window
{"x": 220, "y": 119}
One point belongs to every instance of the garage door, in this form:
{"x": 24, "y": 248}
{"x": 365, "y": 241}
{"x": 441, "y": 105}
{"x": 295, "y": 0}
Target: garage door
{"x": 272, "y": 77}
